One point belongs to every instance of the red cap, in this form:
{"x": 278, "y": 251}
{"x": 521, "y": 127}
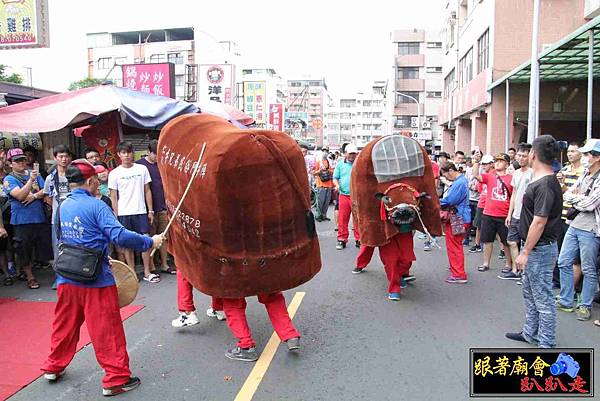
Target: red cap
{"x": 80, "y": 170}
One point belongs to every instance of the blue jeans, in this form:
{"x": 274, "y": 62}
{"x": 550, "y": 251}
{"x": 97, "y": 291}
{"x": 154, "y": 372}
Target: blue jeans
{"x": 584, "y": 244}
{"x": 540, "y": 310}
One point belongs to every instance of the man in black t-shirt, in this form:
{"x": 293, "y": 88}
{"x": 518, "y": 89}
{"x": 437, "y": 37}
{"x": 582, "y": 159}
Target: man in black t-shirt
{"x": 538, "y": 225}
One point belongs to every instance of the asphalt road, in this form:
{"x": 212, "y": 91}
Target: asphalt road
{"x": 357, "y": 344}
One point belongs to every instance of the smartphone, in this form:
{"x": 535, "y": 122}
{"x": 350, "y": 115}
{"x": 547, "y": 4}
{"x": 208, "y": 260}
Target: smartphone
{"x": 36, "y": 167}
{"x": 563, "y": 145}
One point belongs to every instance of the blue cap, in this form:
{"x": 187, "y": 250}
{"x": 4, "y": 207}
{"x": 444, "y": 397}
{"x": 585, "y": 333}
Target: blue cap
{"x": 591, "y": 144}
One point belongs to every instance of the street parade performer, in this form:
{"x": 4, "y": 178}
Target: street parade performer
{"x": 393, "y": 193}
{"x": 86, "y": 286}
{"x": 246, "y": 227}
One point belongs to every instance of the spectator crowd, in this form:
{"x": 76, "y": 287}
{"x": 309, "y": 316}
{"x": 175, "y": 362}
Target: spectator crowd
{"x": 31, "y": 196}
{"x": 500, "y": 200}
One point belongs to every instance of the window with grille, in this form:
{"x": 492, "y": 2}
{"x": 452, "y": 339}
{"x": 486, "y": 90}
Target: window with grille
{"x": 407, "y": 48}
{"x": 483, "y": 52}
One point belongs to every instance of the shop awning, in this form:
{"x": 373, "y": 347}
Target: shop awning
{"x": 566, "y": 60}
{"x": 52, "y": 113}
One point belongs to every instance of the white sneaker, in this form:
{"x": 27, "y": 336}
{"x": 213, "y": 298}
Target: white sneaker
{"x": 185, "y": 320}
{"x": 219, "y": 314}
{"x": 52, "y": 377}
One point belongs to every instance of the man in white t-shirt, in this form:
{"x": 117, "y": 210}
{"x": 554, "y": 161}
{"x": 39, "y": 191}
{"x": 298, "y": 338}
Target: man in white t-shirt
{"x": 129, "y": 186}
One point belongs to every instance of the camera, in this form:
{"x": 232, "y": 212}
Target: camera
{"x": 565, "y": 364}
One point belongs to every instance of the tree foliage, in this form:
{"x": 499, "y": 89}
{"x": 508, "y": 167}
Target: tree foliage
{"x": 85, "y": 83}
{"x": 14, "y": 78}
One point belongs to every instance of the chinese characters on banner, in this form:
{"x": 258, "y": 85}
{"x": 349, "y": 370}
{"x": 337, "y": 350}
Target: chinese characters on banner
{"x": 215, "y": 82}
{"x": 276, "y": 116}
{"x": 157, "y": 79}
{"x": 519, "y": 372}
{"x": 10, "y": 140}
{"x": 23, "y": 23}
{"x": 255, "y": 100}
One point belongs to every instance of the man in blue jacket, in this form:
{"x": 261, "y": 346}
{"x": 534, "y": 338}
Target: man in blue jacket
{"x": 88, "y": 222}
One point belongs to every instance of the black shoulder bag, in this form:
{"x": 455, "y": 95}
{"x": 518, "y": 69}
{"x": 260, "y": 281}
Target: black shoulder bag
{"x": 76, "y": 262}
{"x": 508, "y": 191}
{"x": 572, "y": 212}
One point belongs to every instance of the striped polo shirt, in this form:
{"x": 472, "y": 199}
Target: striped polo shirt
{"x": 571, "y": 175}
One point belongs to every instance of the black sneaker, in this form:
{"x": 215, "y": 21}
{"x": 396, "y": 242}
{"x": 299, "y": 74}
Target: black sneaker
{"x": 501, "y": 255}
{"x": 409, "y": 277}
{"x": 476, "y": 249}
{"x": 131, "y": 384}
{"x": 357, "y": 270}
{"x": 509, "y": 275}
{"x": 340, "y": 245}
{"x": 242, "y": 354}
{"x": 516, "y": 337}
{"x": 293, "y": 343}
{"x": 357, "y": 243}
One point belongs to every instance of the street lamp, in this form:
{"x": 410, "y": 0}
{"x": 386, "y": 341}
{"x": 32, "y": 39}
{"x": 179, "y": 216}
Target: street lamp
{"x": 418, "y": 111}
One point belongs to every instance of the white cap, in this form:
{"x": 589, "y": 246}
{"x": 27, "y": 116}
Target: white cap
{"x": 487, "y": 159}
{"x": 351, "y": 148}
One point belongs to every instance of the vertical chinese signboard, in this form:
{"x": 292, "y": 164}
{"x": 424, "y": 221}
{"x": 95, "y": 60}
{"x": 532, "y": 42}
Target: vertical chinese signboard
{"x": 276, "y": 116}
{"x": 255, "y": 100}
{"x": 215, "y": 82}
{"x": 157, "y": 79}
{"x": 24, "y": 23}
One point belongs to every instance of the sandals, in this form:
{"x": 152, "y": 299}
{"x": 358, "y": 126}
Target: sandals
{"x": 483, "y": 268}
{"x": 8, "y": 281}
{"x": 152, "y": 278}
{"x": 33, "y": 284}
{"x": 169, "y": 270}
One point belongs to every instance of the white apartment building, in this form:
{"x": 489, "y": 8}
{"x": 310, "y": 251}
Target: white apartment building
{"x": 415, "y": 89}
{"x": 357, "y": 118}
{"x": 185, "y": 47}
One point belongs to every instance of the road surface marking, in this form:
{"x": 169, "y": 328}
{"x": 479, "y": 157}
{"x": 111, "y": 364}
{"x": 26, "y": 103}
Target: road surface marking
{"x": 260, "y": 368}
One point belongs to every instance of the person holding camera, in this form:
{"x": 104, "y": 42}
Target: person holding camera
{"x": 28, "y": 216}
{"x": 87, "y": 291}
{"x": 582, "y": 237}
{"x": 323, "y": 172}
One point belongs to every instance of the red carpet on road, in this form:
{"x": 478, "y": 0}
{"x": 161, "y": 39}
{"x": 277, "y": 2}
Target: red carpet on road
{"x": 25, "y": 341}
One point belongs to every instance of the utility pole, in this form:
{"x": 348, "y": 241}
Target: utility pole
{"x": 534, "y": 83}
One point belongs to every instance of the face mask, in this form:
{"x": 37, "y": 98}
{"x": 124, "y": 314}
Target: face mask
{"x": 585, "y": 161}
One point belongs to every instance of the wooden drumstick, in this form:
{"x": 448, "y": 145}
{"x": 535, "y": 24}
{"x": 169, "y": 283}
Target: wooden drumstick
{"x": 187, "y": 189}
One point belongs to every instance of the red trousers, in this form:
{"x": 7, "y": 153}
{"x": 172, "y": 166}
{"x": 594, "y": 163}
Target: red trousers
{"x": 456, "y": 255}
{"x": 397, "y": 258}
{"x": 99, "y": 308}
{"x": 235, "y": 310}
{"x": 345, "y": 210}
{"x": 185, "y": 296}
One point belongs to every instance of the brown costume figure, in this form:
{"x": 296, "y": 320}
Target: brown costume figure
{"x": 393, "y": 193}
{"x": 246, "y": 227}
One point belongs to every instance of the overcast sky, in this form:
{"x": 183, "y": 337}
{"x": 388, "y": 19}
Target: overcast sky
{"x": 348, "y": 44}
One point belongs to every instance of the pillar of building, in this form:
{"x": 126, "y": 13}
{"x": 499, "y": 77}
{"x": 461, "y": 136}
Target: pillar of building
{"x": 463, "y": 135}
{"x": 496, "y": 115}
{"x": 448, "y": 140}
{"x": 479, "y": 130}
